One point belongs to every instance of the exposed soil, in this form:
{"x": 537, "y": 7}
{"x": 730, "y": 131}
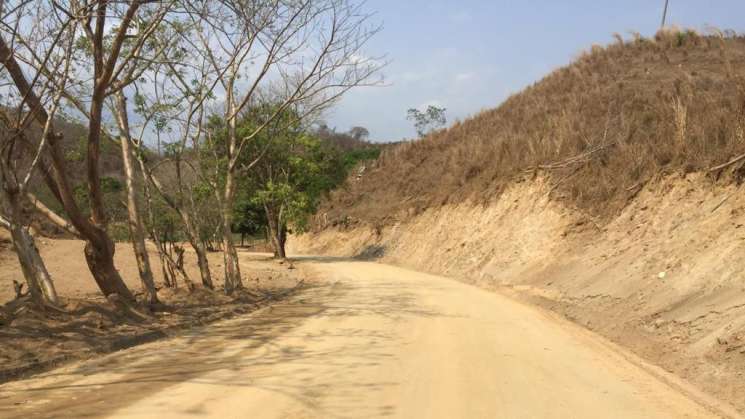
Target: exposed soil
{"x": 35, "y": 340}
{"x": 370, "y": 341}
{"x": 664, "y": 278}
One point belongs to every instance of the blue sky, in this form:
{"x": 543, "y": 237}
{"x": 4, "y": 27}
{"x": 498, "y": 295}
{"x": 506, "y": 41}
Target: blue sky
{"x": 470, "y": 55}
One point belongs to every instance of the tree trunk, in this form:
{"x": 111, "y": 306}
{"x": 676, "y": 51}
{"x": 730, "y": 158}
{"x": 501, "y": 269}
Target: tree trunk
{"x": 199, "y": 248}
{"x": 232, "y": 267}
{"x": 277, "y": 232}
{"x": 37, "y": 277}
{"x": 34, "y": 270}
{"x": 51, "y": 215}
{"x": 282, "y": 239}
{"x": 99, "y": 254}
{"x": 169, "y": 279}
{"x": 204, "y": 266}
{"x": 24, "y": 249}
{"x": 191, "y": 231}
{"x": 136, "y": 231}
{"x": 230, "y": 254}
{"x": 99, "y": 249}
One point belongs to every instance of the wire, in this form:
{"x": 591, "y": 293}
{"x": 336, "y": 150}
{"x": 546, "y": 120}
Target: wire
{"x": 664, "y": 15}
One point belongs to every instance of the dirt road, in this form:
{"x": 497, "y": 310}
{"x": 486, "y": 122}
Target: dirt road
{"x": 375, "y": 341}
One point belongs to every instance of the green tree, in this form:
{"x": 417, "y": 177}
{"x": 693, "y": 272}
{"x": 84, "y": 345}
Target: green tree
{"x": 249, "y": 219}
{"x": 425, "y": 122}
{"x": 289, "y": 171}
{"x": 359, "y": 133}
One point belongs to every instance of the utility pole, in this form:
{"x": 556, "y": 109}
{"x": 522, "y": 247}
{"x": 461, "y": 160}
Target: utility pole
{"x": 664, "y": 15}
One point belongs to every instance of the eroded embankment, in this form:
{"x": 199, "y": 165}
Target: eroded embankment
{"x": 664, "y": 278}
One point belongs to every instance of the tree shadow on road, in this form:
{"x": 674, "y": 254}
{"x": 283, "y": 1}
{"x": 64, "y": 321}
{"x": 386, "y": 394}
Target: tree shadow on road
{"x": 265, "y": 351}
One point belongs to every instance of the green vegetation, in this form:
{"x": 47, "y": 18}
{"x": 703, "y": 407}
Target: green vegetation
{"x": 288, "y": 169}
{"x": 426, "y": 122}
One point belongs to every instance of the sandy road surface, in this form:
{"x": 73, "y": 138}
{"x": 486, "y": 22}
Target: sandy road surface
{"x": 376, "y": 341}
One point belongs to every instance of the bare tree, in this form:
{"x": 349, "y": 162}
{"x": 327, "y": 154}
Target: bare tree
{"x": 136, "y": 229}
{"x": 174, "y": 108}
{"x": 108, "y": 37}
{"x": 12, "y": 196}
{"x": 149, "y": 55}
{"x": 306, "y": 53}
{"x": 21, "y": 154}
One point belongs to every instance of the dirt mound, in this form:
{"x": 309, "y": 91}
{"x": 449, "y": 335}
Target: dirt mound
{"x": 664, "y": 278}
{"x": 616, "y": 118}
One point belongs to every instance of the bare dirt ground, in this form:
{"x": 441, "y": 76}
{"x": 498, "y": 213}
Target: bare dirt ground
{"x": 33, "y": 341}
{"x": 664, "y": 278}
{"x": 370, "y": 340}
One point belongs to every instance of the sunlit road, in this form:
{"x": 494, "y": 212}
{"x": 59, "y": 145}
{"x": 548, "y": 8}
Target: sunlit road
{"x": 372, "y": 341}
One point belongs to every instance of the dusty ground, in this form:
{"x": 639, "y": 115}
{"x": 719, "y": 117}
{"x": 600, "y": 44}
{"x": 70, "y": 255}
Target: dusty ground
{"x": 34, "y": 341}
{"x": 66, "y": 264}
{"x": 665, "y": 278}
{"x": 370, "y": 341}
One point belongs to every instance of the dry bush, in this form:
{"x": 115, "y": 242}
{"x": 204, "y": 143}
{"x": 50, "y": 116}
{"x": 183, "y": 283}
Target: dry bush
{"x": 610, "y": 121}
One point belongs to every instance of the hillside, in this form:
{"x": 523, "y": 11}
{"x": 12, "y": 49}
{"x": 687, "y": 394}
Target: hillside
{"x": 601, "y": 127}
{"x": 590, "y": 194}
{"x": 74, "y": 148}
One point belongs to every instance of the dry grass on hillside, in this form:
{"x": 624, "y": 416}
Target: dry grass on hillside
{"x": 602, "y": 126}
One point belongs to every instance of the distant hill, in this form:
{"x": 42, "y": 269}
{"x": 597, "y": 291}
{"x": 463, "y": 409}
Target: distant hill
{"x": 599, "y": 128}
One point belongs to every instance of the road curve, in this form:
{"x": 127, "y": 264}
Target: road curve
{"x": 373, "y": 341}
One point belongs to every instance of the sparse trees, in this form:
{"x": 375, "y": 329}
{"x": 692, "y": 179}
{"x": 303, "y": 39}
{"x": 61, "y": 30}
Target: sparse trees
{"x": 174, "y": 64}
{"x": 158, "y": 54}
{"x": 14, "y": 181}
{"x": 425, "y": 122}
{"x": 134, "y": 213}
{"x": 170, "y": 99}
{"x": 22, "y": 150}
{"x": 302, "y": 54}
{"x": 108, "y": 38}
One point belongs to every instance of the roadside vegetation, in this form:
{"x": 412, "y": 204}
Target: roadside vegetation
{"x": 172, "y": 126}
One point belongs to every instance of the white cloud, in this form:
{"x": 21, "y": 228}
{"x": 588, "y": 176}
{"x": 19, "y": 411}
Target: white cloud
{"x": 464, "y": 77}
{"x": 412, "y": 76}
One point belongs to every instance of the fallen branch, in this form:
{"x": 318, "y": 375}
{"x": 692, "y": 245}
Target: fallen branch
{"x": 634, "y": 186}
{"x": 721, "y": 203}
{"x": 578, "y": 159}
{"x": 729, "y": 163}
{"x": 562, "y": 180}
{"x": 51, "y": 215}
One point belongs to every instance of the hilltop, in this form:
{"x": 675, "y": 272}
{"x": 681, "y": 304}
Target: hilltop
{"x": 599, "y": 128}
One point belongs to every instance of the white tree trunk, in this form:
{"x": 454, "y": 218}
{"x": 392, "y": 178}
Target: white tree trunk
{"x": 136, "y": 231}
{"x": 32, "y": 265}
{"x": 37, "y": 277}
{"x": 233, "y": 279}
